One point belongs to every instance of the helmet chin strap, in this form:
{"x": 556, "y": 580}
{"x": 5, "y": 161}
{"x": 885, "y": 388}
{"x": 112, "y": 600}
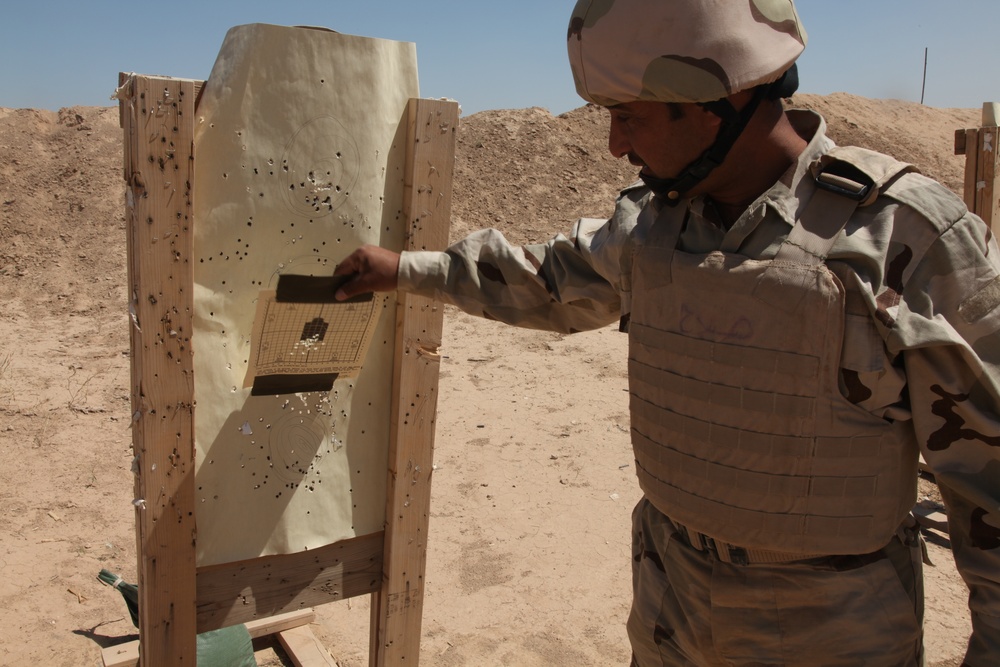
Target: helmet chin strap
{"x": 733, "y": 124}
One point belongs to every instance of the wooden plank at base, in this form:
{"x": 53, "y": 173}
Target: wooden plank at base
{"x": 127, "y": 655}
{"x": 255, "y": 589}
{"x": 930, "y": 515}
{"x": 122, "y": 655}
{"x": 303, "y": 649}
{"x": 280, "y": 623}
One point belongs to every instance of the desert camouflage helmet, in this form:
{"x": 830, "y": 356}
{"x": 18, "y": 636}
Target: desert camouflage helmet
{"x": 680, "y": 50}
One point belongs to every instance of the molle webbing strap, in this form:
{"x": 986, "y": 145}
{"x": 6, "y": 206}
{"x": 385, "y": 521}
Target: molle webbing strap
{"x": 841, "y": 187}
{"x": 808, "y": 244}
{"x": 825, "y": 216}
{"x": 731, "y": 553}
{"x": 846, "y": 178}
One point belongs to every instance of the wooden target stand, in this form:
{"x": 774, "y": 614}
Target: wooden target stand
{"x": 272, "y": 594}
{"x": 981, "y": 148}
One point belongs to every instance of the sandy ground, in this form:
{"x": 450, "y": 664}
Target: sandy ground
{"x": 528, "y": 559}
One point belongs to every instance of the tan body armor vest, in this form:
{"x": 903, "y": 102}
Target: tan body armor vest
{"x": 739, "y": 429}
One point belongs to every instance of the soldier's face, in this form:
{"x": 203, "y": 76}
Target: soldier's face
{"x": 658, "y": 138}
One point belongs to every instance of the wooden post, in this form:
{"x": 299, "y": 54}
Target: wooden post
{"x": 398, "y": 606}
{"x": 980, "y": 148}
{"x": 158, "y": 123}
{"x": 987, "y": 204}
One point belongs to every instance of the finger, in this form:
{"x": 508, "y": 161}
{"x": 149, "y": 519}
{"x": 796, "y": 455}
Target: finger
{"x": 351, "y": 288}
{"x": 348, "y": 266}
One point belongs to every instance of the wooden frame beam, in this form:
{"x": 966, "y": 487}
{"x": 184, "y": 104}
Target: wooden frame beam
{"x": 127, "y": 655}
{"x": 158, "y": 123}
{"x": 254, "y": 589}
{"x": 397, "y": 607}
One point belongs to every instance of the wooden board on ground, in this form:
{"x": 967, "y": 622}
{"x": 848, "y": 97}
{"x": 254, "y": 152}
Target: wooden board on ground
{"x": 303, "y": 649}
{"x": 127, "y": 655}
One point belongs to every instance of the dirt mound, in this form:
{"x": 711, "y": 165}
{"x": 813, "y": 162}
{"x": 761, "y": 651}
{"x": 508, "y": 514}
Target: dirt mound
{"x": 529, "y": 173}
{"x": 61, "y": 209}
{"x": 524, "y": 171}
{"x": 921, "y": 135}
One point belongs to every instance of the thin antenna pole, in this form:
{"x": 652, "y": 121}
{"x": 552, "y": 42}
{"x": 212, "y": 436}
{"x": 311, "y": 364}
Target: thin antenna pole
{"x": 923, "y": 86}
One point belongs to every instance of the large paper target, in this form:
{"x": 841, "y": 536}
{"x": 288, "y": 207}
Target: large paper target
{"x": 298, "y": 163}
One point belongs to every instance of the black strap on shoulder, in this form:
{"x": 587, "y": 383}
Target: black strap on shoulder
{"x": 844, "y": 179}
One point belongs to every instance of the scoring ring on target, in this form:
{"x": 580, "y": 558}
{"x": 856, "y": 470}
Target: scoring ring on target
{"x": 294, "y": 441}
{"x": 321, "y": 165}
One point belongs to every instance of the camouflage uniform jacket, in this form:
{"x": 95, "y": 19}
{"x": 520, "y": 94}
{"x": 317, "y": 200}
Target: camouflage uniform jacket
{"x": 922, "y": 342}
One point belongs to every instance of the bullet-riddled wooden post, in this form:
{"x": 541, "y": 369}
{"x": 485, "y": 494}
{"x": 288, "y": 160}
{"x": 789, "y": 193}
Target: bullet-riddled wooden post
{"x": 397, "y": 607}
{"x": 980, "y": 147}
{"x": 158, "y": 123}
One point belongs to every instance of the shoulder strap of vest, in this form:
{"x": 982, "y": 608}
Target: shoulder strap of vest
{"x": 846, "y": 178}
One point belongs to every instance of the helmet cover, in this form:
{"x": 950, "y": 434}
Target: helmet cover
{"x": 680, "y": 50}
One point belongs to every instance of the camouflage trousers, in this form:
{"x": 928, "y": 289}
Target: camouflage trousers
{"x": 690, "y": 608}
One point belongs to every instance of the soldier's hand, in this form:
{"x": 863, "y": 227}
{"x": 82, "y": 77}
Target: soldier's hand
{"x": 373, "y": 269}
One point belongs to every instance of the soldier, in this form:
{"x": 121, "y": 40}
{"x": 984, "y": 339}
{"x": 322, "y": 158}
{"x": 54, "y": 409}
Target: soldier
{"x": 803, "y": 321}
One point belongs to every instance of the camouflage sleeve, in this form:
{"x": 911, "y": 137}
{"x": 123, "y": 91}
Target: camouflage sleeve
{"x": 947, "y": 325}
{"x": 566, "y": 285}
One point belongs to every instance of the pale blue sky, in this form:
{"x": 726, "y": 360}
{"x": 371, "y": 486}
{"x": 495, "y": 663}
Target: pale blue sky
{"x": 486, "y": 55}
